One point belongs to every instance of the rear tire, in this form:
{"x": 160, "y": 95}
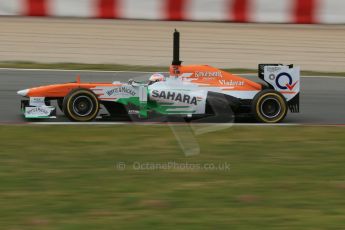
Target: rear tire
{"x": 81, "y": 105}
{"x": 269, "y": 106}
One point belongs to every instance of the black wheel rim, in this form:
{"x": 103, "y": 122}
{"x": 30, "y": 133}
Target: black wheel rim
{"x": 270, "y": 107}
{"x": 82, "y": 106}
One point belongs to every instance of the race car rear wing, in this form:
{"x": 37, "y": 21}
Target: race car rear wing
{"x": 285, "y": 79}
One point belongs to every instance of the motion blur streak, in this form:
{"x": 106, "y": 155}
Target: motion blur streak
{"x": 175, "y": 9}
{"x": 273, "y": 11}
{"x": 304, "y": 11}
{"x": 238, "y": 10}
{"x": 36, "y": 8}
{"x": 108, "y": 9}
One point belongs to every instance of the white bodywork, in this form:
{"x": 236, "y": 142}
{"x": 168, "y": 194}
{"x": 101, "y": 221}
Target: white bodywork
{"x": 38, "y": 109}
{"x": 283, "y": 79}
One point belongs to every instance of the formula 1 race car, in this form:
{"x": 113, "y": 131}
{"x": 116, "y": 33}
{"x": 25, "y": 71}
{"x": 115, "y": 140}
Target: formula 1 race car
{"x": 195, "y": 91}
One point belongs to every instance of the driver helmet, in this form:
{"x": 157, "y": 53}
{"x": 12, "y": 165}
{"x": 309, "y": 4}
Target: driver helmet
{"x": 156, "y": 77}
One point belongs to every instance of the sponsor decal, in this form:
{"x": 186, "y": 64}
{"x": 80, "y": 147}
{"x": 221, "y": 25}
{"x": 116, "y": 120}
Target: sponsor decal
{"x": 208, "y": 74}
{"x": 121, "y": 90}
{"x": 231, "y": 83}
{"x": 174, "y": 96}
{"x": 273, "y": 69}
{"x": 290, "y": 85}
{"x": 135, "y": 112}
{"x": 37, "y": 110}
{"x": 37, "y": 101}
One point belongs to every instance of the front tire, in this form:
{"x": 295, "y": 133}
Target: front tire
{"x": 269, "y": 106}
{"x": 81, "y": 105}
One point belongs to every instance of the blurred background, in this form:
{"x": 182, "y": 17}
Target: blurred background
{"x": 222, "y": 33}
{"x": 132, "y": 176}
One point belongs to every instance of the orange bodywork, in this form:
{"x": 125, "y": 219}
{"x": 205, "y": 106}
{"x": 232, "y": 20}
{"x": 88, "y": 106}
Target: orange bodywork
{"x": 61, "y": 90}
{"x": 202, "y": 75}
{"x": 208, "y": 76}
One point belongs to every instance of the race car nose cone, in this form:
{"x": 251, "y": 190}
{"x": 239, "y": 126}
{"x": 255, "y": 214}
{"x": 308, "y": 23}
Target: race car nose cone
{"x": 23, "y": 92}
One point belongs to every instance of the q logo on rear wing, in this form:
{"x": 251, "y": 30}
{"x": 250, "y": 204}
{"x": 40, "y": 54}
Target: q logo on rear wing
{"x": 284, "y": 79}
{"x": 289, "y": 85}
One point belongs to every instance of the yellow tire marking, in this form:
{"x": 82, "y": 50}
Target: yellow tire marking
{"x": 82, "y": 118}
{"x": 283, "y": 105}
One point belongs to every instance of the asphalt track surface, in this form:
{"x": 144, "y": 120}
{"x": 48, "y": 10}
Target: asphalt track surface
{"x": 322, "y": 98}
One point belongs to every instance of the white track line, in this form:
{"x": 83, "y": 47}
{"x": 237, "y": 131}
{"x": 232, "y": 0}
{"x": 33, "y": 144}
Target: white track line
{"x": 158, "y": 123}
{"x": 167, "y": 124}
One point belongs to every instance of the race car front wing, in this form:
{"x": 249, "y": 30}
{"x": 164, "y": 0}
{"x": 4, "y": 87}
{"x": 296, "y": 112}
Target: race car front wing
{"x": 36, "y": 108}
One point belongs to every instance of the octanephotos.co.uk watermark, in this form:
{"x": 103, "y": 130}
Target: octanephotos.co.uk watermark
{"x": 171, "y": 165}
